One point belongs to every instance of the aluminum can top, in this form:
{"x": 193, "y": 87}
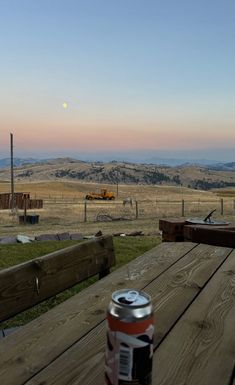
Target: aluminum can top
{"x": 131, "y": 298}
{"x": 130, "y": 305}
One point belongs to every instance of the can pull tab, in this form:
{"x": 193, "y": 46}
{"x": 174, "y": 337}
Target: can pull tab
{"x": 132, "y": 296}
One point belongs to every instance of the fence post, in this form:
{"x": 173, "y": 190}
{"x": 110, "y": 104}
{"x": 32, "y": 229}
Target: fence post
{"x": 198, "y": 207}
{"x": 221, "y": 206}
{"x": 182, "y": 208}
{"x": 85, "y": 211}
{"x": 234, "y": 203}
{"x": 136, "y": 210}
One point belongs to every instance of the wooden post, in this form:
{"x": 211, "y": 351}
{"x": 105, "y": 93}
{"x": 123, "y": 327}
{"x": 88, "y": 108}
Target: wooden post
{"x": 136, "y": 210}
{"x": 85, "y": 211}
{"x": 234, "y": 203}
{"x": 25, "y": 210}
{"x": 117, "y": 182}
{"x": 182, "y": 210}
{"x": 25, "y": 199}
{"x": 12, "y": 176}
{"x": 221, "y": 206}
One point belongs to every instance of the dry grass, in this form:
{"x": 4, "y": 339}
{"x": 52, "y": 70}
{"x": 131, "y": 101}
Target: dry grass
{"x": 77, "y": 190}
{"x": 225, "y": 192}
{"x": 64, "y": 207}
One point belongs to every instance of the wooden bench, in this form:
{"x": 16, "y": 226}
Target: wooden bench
{"x": 192, "y": 287}
{"x": 29, "y": 283}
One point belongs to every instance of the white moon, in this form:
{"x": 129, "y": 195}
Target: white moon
{"x": 65, "y": 105}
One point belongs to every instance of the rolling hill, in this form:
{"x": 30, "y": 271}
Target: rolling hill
{"x": 123, "y": 172}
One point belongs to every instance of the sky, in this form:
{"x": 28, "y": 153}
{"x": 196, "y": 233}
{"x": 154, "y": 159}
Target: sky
{"x": 118, "y": 77}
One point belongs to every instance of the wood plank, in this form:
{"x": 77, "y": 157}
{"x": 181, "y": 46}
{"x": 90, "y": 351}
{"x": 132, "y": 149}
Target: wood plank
{"x": 172, "y": 225}
{"x": 200, "y": 349}
{"x": 73, "y": 319}
{"x": 213, "y": 235}
{"x": 172, "y": 292}
{"x": 29, "y": 283}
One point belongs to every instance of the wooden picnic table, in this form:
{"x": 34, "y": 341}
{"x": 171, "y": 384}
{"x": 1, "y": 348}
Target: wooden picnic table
{"x": 193, "y": 293}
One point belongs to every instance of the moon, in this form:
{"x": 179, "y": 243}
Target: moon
{"x": 65, "y": 105}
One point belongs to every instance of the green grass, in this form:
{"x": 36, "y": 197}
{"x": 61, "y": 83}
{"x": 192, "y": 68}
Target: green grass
{"x": 126, "y": 249}
{"x": 11, "y": 255}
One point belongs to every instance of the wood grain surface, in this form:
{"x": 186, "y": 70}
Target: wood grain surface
{"x": 37, "y": 344}
{"x": 193, "y": 294}
{"x": 172, "y": 293}
{"x": 200, "y": 349}
{"x": 29, "y": 283}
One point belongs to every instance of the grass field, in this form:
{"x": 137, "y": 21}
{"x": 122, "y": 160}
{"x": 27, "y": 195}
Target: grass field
{"x": 64, "y": 208}
{"x": 126, "y": 249}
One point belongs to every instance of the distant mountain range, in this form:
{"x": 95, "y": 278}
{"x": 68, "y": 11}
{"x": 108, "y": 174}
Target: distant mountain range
{"x": 6, "y": 162}
{"x": 230, "y": 166}
{"x": 194, "y": 176}
{"x": 172, "y": 162}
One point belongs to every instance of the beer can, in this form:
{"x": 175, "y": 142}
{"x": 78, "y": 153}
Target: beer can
{"x": 130, "y": 331}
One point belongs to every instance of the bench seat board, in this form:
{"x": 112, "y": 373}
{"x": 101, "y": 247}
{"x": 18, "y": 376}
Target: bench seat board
{"x": 29, "y": 283}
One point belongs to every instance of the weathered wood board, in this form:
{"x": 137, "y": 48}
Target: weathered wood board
{"x": 172, "y": 292}
{"x": 193, "y": 293}
{"x": 29, "y": 283}
{"x": 200, "y": 349}
{"x": 71, "y": 320}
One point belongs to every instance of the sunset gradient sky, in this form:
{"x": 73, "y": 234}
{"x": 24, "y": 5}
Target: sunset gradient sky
{"x": 137, "y": 75}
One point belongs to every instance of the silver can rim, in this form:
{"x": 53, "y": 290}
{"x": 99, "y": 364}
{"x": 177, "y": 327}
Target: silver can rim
{"x": 140, "y": 292}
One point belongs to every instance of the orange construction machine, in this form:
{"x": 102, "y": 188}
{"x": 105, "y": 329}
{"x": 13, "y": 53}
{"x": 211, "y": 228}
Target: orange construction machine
{"x": 104, "y": 194}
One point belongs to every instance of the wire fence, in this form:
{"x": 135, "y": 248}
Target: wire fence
{"x": 92, "y": 211}
{"x": 68, "y": 211}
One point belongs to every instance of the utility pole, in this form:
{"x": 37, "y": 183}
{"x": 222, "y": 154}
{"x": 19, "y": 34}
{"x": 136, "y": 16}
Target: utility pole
{"x": 12, "y": 177}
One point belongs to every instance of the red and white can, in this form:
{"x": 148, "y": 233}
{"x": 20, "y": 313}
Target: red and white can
{"x": 130, "y": 331}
